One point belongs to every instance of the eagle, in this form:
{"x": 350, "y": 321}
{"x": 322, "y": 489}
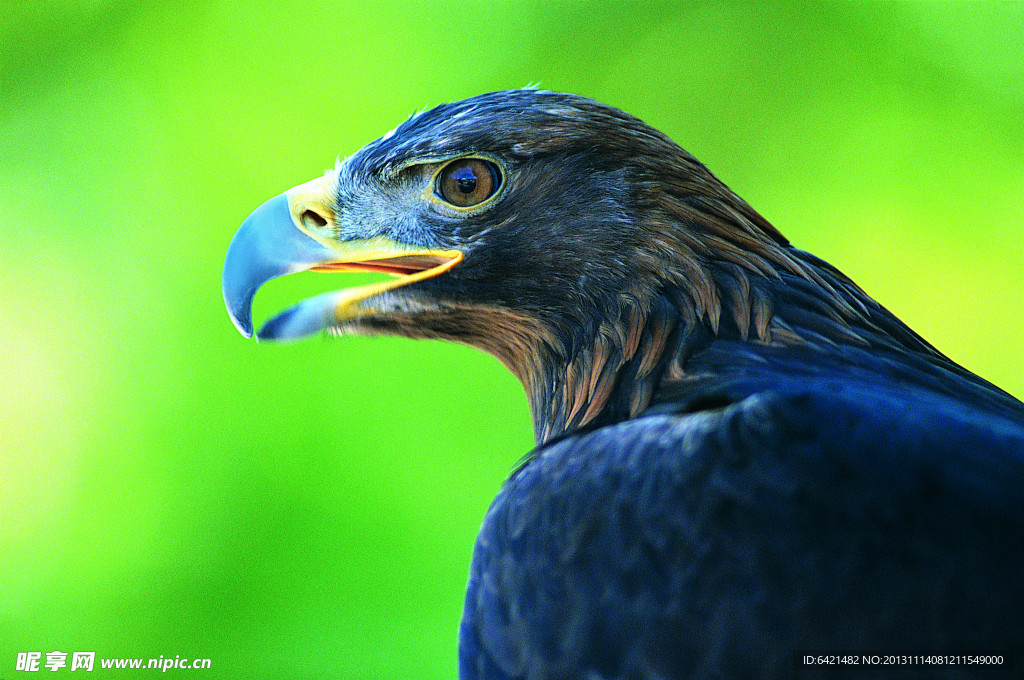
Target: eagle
{"x": 744, "y": 464}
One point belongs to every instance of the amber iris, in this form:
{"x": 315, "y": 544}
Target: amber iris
{"x": 467, "y": 182}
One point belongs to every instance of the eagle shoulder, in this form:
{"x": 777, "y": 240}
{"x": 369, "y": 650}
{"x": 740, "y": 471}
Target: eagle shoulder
{"x": 819, "y": 516}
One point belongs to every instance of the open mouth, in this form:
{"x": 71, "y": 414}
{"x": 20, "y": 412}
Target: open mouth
{"x": 328, "y": 310}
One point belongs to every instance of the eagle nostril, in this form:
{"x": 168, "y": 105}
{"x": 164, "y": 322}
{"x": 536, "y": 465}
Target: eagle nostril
{"x": 313, "y": 220}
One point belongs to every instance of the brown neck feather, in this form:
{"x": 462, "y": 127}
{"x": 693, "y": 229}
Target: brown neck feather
{"x": 713, "y": 270}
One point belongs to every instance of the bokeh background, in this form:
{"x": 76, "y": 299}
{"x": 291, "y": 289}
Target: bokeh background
{"x": 308, "y": 510}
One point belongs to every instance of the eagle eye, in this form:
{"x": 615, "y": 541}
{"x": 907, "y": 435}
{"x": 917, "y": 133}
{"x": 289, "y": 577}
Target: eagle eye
{"x": 466, "y": 182}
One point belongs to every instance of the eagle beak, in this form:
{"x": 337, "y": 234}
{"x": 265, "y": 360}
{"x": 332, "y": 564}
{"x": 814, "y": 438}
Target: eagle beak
{"x": 276, "y": 239}
{"x": 267, "y": 245}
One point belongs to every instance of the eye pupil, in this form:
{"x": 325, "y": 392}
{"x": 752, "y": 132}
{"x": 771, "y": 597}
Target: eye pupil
{"x": 468, "y": 181}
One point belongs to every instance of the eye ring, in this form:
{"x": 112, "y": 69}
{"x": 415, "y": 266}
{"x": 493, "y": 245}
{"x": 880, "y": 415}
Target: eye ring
{"x": 467, "y": 182}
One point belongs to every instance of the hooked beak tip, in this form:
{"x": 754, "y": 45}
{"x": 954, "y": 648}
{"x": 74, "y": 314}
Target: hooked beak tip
{"x": 267, "y": 245}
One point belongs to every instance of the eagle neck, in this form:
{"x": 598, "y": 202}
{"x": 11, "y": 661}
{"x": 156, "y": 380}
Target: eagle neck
{"x": 601, "y": 374}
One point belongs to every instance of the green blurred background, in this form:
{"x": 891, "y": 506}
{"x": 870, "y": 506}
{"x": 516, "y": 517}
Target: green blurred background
{"x": 308, "y": 510}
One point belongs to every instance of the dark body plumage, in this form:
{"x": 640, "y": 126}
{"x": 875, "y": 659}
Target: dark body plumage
{"x": 824, "y": 514}
{"x": 740, "y": 455}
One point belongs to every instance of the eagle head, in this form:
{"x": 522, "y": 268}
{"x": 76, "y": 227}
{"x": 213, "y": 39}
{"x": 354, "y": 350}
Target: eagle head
{"x": 578, "y": 245}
